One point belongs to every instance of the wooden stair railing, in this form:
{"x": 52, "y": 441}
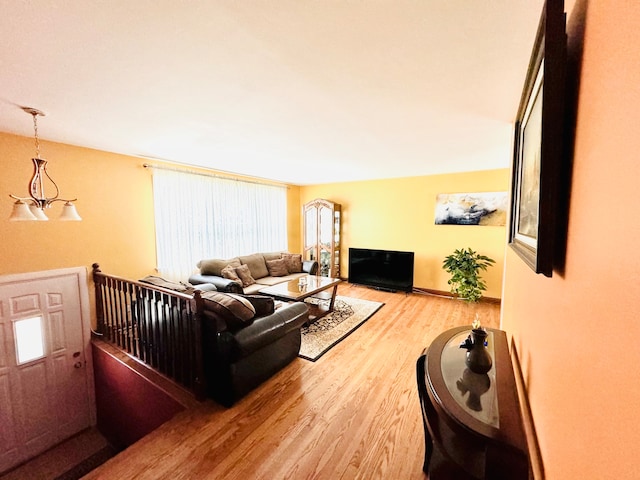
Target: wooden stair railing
{"x": 159, "y": 327}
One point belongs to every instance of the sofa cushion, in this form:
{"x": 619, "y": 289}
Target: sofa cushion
{"x": 266, "y": 330}
{"x": 262, "y": 304}
{"x": 230, "y": 273}
{"x": 214, "y": 266}
{"x": 293, "y": 261}
{"x": 245, "y": 275}
{"x": 277, "y": 268}
{"x": 205, "y": 287}
{"x": 234, "y": 309}
{"x": 221, "y": 284}
{"x": 256, "y": 264}
{"x": 255, "y": 288}
{"x": 272, "y": 256}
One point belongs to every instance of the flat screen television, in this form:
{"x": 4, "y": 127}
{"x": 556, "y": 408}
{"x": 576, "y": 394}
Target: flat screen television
{"x": 383, "y": 269}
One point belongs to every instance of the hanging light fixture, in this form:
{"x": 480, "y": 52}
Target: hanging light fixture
{"x": 32, "y": 207}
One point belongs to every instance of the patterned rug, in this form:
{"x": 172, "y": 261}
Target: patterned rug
{"x": 323, "y": 334}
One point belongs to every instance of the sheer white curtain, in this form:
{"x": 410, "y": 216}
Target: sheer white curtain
{"x": 201, "y": 216}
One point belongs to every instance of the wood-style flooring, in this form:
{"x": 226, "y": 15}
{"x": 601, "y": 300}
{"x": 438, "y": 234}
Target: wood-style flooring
{"x": 353, "y": 414}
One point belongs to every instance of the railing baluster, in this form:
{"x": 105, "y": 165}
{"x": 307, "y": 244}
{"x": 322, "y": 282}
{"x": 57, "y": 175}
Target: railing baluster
{"x": 111, "y": 327}
{"x": 157, "y": 326}
{"x": 180, "y": 363}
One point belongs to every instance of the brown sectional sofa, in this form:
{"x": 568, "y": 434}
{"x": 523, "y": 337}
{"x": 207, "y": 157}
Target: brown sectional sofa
{"x": 264, "y": 270}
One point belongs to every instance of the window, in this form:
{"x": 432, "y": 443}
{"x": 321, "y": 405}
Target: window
{"x": 29, "y": 339}
{"x": 201, "y": 216}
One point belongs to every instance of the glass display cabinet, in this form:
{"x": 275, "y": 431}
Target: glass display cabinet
{"x": 322, "y": 236}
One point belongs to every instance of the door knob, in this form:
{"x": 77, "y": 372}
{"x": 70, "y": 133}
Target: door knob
{"x": 77, "y": 365}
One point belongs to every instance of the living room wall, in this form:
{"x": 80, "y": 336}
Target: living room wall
{"x": 398, "y": 214}
{"x": 576, "y": 332}
{"x": 114, "y": 199}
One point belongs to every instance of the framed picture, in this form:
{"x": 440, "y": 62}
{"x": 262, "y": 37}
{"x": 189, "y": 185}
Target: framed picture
{"x": 484, "y": 208}
{"x": 538, "y": 145}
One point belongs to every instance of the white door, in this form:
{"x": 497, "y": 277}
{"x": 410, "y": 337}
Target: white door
{"x": 46, "y": 373}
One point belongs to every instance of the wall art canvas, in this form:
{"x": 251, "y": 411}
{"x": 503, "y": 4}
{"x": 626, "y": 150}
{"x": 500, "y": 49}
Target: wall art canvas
{"x": 485, "y": 208}
{"x": 538, "y": 153}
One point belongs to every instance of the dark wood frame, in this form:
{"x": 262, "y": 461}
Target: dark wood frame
{"x": 458, "y": 445}
{"x": 545, "y": 83}
{"x": 160, "y": 328}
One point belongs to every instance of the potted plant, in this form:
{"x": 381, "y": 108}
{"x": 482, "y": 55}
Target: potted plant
{"x": 464, "y": 266}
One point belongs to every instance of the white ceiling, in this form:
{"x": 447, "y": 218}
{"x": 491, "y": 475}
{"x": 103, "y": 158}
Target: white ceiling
{"x": 300, "y": 91}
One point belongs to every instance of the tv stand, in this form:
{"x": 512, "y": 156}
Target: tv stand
{"x": 384, "y": 289}
{"x": 472, "y": 422}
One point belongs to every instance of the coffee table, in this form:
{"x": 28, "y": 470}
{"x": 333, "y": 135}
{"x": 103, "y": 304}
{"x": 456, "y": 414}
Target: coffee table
{"x": 304, "y": 287}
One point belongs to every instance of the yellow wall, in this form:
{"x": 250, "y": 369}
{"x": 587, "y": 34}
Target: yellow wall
{"x": 398, "y": 214}
{"x": 114, "y": 199}
{"x": 577, "y": 332}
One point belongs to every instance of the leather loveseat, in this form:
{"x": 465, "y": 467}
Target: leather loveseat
{"x": 245, "y": 339}
{"x": 242, "y": 348}
{"x": 251, "y": 273}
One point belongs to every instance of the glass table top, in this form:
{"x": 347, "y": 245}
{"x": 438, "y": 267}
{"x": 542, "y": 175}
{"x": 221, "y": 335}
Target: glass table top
{"x": 300, "y": 288}
{"x": 475, "y": 393}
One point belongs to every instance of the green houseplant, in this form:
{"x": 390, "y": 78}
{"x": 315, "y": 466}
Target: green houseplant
{"x": 465, "y": 266}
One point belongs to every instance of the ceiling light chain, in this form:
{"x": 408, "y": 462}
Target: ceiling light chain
{"x": 32, "y": 208}
{"x": 35, "y": 114}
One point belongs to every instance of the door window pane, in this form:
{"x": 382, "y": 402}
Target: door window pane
{"x": 29, "y": 341}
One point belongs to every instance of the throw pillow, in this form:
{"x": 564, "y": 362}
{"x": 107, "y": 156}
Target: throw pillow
{"x": 234, "y": 309}
{"x": 263, "y": 305}
{"x": 214, "y": 266}
{"x": 229, "y": 273}
{"x": 293, "y": 261}
{"x": 245, "y": 275}
{"x": 277, "y": 268}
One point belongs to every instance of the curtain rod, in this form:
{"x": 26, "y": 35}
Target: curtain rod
{"x": 214, "y": 175}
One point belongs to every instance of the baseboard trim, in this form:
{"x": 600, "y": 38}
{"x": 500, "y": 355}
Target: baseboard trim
{"x": 442, "y": 293}
{"x": 536, "y": 471}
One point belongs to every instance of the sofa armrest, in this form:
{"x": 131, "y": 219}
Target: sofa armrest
{"x": 221, "y": 284}
{"x": 205, "y": 287}
{"x": 310, "y": 267}
{"x": 266, "y": 330}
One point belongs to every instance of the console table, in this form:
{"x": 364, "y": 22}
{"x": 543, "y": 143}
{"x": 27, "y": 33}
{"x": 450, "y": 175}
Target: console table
{"x": 472, "y": 422}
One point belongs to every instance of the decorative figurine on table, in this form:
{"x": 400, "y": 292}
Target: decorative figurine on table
{"x": 478, "y": 359}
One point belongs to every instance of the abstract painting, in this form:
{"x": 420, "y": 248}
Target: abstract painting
{"x": 485, "y": 208}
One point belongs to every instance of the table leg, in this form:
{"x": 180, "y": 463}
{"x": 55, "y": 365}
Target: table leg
{"x": 333, "y": 298}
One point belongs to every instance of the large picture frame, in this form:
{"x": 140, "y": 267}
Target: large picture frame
{"x": 538, "y": 145}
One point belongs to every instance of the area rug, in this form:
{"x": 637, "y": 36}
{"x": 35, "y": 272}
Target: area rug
{"x": 323, "y": 334}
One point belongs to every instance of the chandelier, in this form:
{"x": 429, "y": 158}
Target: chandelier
{"x": 32, "y": 207}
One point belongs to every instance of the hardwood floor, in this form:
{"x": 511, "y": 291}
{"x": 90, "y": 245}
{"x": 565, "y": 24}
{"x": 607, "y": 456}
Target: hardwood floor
{"x": 353, "y": 414}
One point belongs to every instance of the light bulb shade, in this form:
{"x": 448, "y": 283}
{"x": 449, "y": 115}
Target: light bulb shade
{"x": 69, "y": 213}
{"x": 21, "y": 212}
{"x": 38, "y": 213}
